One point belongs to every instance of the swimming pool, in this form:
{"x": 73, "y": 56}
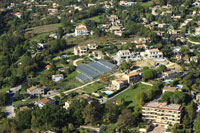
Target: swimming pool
{"x": 168, "y": 81}
{"x": 178, "y": 86}
{"x": 108, "y": 92}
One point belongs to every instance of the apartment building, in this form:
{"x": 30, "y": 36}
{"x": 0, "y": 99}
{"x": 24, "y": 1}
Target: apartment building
{"x": 162, "y": 113}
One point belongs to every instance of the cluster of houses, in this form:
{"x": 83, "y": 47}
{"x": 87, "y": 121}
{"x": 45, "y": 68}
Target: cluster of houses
{"x": 186, "y": 58}
{"x": 36, "y": 91}
{"x": 116, "y": 26}
{"x": 126, "y": 55}
{"x": 30, "y": 4}
{"x": 126, "y": 3}
{"x": 142, "y": 40}
{"x": 166, "y": 10}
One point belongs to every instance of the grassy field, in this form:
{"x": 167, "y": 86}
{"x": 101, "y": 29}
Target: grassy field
{"x": 44, "y": 28}
{"x": 4, "y": 90}
{"x": 93, "y": 87}
{"x": 111, "y": 128}
{"x": 80, "y": 62}
{"x": 147, "y": 4}
{"x": 27, "y": 101}
{"x": 95, "y": 18}
{"x": 71, "y": 81}
{"x": 39, "y": 37}
{"x": 130, "y": 95}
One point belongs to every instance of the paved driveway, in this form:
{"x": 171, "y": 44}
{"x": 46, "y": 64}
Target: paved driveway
{"x": 9, "y": 109}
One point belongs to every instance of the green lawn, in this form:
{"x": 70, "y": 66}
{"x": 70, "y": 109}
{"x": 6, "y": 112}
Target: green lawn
{"x": 80, "y": 62}
{"x": 94, "y": 87}
{"x": 39, "y": 37}
{"x": 28, "y": 101}
{"x": 4, "y": 90}
{"x": 111, "y": 128}
{"x": 130, "y": 95}
{"x": 71, "y": 81}
{"x": 147, "y": 4}
{"x": 95, "y": 18}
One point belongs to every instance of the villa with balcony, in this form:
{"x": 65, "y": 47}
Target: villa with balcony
{"x": 152, "y": 54}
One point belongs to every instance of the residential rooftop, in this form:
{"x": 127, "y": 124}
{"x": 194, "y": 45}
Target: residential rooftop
{"x": 164, "y": 105}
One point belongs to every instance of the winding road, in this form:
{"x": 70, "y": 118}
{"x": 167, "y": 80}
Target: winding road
{"x": 75, "y": 61}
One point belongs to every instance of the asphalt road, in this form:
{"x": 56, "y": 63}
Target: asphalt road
{"x": 10, "y": 109}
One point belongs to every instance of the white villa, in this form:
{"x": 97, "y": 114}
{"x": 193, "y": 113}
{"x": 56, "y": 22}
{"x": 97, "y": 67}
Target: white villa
{"x": 80, "y": 50}
{"x": 152, "y": 54}
{"x": 83, "y": 50}
{"x": 126, "y": 55}
{"x": 81, "y": 30}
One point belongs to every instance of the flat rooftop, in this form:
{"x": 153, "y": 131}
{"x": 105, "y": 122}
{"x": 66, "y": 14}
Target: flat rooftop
{"x": 159, "y": 105}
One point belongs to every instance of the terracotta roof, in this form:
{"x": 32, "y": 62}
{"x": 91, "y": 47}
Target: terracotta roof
{"x": 45, "y": 100}
{"x": 58, "y": 75}
{"x": 140, "y": 46}
{"x": 83, "y": 28}
{"x": 169, "y": 88}
{"x": 124, "y": 51}
{"x": 122, "y": 80}
{"x": 153, "y": 50}
{"x": 132, "y": 74}
{"x": 47, "y": 66}
{"x": 119, "y": 31}
{"x": 81, "y": 25}
{"x": 32, "y": 88}
{"x": 23, "y": 108}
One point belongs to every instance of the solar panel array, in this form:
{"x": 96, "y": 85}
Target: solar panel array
{"x": 98, "y": 67}
{"x": 94, "y": 69}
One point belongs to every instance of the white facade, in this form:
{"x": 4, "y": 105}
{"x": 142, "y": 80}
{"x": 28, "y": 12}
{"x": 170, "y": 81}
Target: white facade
{"x": 152, "y": 54}
{"x": 126, "y": 55}
{"x": 81, "y": 51}
{"x": 57, "y": 77}
{"x": 81, "y": 30}
{"x": 162, "y": 113}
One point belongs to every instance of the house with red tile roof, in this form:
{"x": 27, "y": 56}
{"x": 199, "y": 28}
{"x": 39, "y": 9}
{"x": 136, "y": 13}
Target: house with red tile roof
{"x": 45, "y": 101}
{"x": 119, "y": 83}
{"x": 81, "y": 30}
{"x": 36, "y": 91}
